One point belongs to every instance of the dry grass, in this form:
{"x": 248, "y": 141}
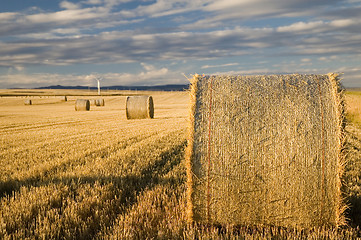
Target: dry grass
{"x": 95, "y": 175}
{"x": 353, "y": 106}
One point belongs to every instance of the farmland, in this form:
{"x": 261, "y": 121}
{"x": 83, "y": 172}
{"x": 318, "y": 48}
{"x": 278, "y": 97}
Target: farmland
{"x": 67, "y": 174}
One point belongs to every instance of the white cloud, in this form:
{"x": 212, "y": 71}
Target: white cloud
{"x": 67, "y": 16}
{"x": 236, "y": 12}
{"x": 62, "y": 46}
{"x": 152, "y": 73}
{"x": 340, "y": 23}
{"x": 328, "y": 58}
{"x": 244, "y": 8}
{"x": 302, "y": 26}
{"x": 106, "y": 3}
{"x": 92, "y": 2}
{"x": 109, "y": 31}
{"x": 152, "y": 76}
{"x": 147, "y": 67}
{"x": 6, "y": 16}
{"x": 165, "y": 8}
{"x": 69, "y": 5}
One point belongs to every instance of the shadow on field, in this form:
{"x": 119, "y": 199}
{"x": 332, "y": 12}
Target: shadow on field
{"x": 130, "y": 186}
{"x": 115, "y": 194}
{"x": 351, "y": 187}
{"x": 94, "y": 202}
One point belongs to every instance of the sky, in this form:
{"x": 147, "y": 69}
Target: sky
{"x": 155, "y": 42}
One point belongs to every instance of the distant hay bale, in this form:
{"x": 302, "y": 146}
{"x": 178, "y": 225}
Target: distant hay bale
{"x": 92, "y": 102}
{"x": 64, "y": 98}
{"x": 99, "y": 102}
{"x": 138, "y": 107}
{"x": 265, "y": 150}
{"x": 82, "y": 105}
{"x": 28, "y": 102}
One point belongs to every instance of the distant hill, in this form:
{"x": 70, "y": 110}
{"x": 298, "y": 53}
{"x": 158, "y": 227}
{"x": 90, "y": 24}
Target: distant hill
{"x": 168, "y": 87}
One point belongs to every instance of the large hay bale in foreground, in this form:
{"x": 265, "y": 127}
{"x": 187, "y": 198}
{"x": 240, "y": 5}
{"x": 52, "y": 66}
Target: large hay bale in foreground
{"x": 265, "y": 150}
{"x": 28, "y": 102}
{"x": 82, "y": 105}
{"x": 138, "y": 107}
{"x": 100, "y": 102}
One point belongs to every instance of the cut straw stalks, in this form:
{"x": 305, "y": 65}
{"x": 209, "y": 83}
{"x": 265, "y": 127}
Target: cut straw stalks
{"x": 265, "y": 150}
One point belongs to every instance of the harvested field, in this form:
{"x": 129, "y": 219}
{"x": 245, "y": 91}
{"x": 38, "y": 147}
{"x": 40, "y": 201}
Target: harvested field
{"x": 95, "y": 175}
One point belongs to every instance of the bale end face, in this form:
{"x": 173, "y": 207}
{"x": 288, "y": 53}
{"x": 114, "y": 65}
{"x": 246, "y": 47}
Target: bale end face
{"x": 139, "y": 107}
{"x": 28, "y": 102}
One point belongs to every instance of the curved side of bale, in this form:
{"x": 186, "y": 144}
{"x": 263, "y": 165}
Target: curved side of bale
{"x": 100, "y": 102}
{"x": 28, "y": 102}
{"x": 92, "y": 102}
{"x": 82, "y": 105}
{"x": 265, "y": 150}
{"x": 189, "y": 152}
{"x": 338, "y": 93}
{"x": 138, "y": 107}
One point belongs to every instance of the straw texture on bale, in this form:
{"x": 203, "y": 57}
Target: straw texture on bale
{"x": 82, "y": 105}
{"x": 28, "y": 102}
{"x": 265, "y": 150}
{"x": 92, "y": 102}
{"x": 99, "y": 102}
{"x": 138, "y": 107}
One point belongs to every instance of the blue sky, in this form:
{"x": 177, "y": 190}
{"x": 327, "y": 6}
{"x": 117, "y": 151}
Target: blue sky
{"x": 152, "y": 42}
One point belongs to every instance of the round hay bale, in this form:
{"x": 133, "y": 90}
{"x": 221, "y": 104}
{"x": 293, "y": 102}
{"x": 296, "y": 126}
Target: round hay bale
{"x": 92, "y": 102}
{"x": 138, "y": 107}
{"x": 28, "y": 102}
{"x": 82, "y": 105}
{"x": 64, "y": 98}
{"x": 100, "y": 102}
{"x": 265, "y": 150}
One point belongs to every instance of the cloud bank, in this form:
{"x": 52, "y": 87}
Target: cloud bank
{"x": 226, "y": 36}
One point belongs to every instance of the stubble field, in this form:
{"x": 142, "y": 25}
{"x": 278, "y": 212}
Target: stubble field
{"x": 96, "y": 175}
